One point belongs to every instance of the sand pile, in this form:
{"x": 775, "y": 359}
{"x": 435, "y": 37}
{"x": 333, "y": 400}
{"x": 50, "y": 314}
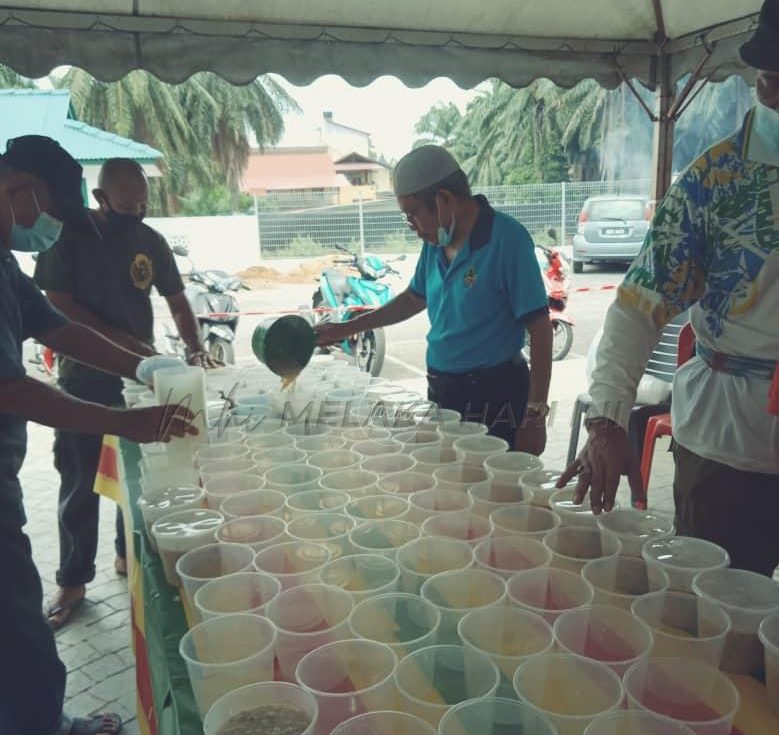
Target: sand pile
{"x": 306, "y": 272}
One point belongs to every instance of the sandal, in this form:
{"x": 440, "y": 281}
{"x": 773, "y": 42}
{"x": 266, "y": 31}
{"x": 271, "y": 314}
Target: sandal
{"x": 59, "y": 615}
{"x": 106, "y": 724}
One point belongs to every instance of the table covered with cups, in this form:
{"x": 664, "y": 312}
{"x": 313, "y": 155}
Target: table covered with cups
{"x": 346, "y": 558}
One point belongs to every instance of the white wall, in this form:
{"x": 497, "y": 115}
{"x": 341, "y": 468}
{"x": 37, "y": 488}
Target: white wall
{"x": 230, "y": 243}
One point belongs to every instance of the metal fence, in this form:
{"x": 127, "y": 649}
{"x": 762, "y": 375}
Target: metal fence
{"x": 378, "y": 226}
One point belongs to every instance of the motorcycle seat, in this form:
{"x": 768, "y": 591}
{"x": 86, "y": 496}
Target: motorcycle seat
{"x": 339, "y": 284}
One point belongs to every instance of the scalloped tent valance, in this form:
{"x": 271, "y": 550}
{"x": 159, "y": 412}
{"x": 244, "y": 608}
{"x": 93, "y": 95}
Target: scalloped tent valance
{"x": 415, "y": 40}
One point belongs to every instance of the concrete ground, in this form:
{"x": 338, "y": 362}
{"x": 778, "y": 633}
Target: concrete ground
{"x": 95, "y": 646}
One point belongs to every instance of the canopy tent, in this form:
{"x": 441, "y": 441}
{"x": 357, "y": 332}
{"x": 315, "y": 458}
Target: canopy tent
{"x": 654, "y": 41}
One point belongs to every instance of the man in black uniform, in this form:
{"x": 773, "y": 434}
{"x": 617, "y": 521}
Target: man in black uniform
{"x": 104, "y": 282}
{"x": 40, "y": 187}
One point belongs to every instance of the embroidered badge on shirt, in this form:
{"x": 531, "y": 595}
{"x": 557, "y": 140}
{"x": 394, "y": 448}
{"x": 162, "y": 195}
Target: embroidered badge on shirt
{"x": 142, "y": 271}
{"x": 470, "y": 278}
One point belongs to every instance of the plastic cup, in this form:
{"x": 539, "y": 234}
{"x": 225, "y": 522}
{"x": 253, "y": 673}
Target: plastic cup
{"x": 635, "y": 722}
{"x": 329, "y": 529}
{"x": 377, "y": 507}
{"x": 525, "y": 520}
{"x": 506, "y": 555}
{"x": 433, "y": 415}
{"x": 155, "y": 505}
{"x": 431, "y": 458}
{"x": 620, "y": 580}
{"x": 459, "y": 476}
{"x": 457, "y": 593}
{"x": 401, "y": 621}
{"x": 387, "y": 464}
{"x": 220, "y": 487}
{"x": 293, "y": 562}
{"x": 293, "y": 478}
{"x": 490, "y": 495}
{"x": 180, "y": 532}
{"x": 417, "y": 439}
{"x": 509, "y": 636}
{"x": 494, "y": 716}
{"x": 268, "y": 459}
{"x": 224, "y": 435}
{"x": 206, "y": 454}
{"x": 571, "y": 514}
{"x": 543, "y": 484}
{"x": 405, "y": 483}
{"x": 748, "y": 598}
{"x": 548, "y": 591}
{"x": 307, "y": 617}
{"x": 258, "y": 532}
{"x": 253, "y": 503}
{"x": 463, "y": 526}
{"x": 604, "y": 633}
{"x": 424, "y": 504}
{"x": 474, "y": 450}
{"x": 225, "y": 653}
{"x": 242, "y": 592}
{"x": 682, "y": 557}
{"x": 276, "y": 440}
{"x": 377, "y": 447}
{"x": 384, "y": 723}
{"x": 205, "y": 563}
{"x": 168, "y": 476}
{"x": 684, "y": 625}
{"x": 383, "y": 537}
{"x": 573, "y": 546}
{"x": 569, "y": 690}
{"x": 364, "y": 433}
{"x": 684, "y": 690}
{"x": 332, "y": 460}
{"x": 262, "y": 425}
{"x": 451, "y": 432}
{"x": 635, "y": 527}
{"x": 314, "y": 444}
{"x": 434, "y": 678}
{"x": 307, "y": 428}
{"x": 354, "y": 482}
{"x": 315, "y": 501}
{"x": 237, "y": 466}
{"x": 768, "y": 633}
{"x": 253, "y": 697}
{"x": 430, "y": 555}
{"x": 361, "y": 575}
{"x": 508, "y": 467}
{"x": 347, "y": 677}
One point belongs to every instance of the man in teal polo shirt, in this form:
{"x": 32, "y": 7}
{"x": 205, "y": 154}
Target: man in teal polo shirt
{"x": 480, "y": 281}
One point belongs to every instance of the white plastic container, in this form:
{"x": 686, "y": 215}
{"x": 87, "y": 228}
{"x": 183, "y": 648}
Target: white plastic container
{"x": 180, "y": 532}
{"x": 155, "y": 505}
{"x": 185, "y": 386}
{"x": 208, "y": 453}
{"x": 416, "y": 439}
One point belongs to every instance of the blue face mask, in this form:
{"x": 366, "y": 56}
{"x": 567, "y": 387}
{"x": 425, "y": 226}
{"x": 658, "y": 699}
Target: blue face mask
{"x": 445, "y": 236}
{"x": 36, "y": 239}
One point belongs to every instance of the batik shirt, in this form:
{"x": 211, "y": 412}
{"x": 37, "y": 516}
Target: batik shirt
{"x": 713, "y": 247}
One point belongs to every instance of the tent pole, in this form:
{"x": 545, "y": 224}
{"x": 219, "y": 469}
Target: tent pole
{"x": 663, "y": 143}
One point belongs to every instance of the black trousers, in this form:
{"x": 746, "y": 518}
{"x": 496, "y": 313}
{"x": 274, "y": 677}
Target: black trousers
{"x": 32, "y": 678}
{"x": 76, "y": 457}
{"x": 494, "y": 396}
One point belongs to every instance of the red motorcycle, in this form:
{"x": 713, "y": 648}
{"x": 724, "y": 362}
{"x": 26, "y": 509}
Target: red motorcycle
{"x": 555, "y": 274}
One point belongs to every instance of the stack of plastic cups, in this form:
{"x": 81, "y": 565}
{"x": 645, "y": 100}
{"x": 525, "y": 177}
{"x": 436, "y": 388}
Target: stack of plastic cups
{"x": 276, "y": 439}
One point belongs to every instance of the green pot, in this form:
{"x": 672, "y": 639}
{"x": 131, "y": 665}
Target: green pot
{"x": 286, "y": 345}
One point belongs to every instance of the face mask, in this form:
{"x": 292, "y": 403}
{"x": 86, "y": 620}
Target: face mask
{"x": 444, "y": 236}
{"x": 122, "y": 221}
{"x": 45, "y": 231}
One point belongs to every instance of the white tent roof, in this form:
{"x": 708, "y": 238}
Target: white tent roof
{"x": 416, "y": 40}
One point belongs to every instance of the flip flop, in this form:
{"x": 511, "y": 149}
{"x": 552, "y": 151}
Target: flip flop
{"x": 63, "y": 613}
{"x": 106, "y": 724}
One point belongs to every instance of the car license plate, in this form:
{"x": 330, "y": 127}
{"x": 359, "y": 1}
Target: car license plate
{"x": 615, "y": 231}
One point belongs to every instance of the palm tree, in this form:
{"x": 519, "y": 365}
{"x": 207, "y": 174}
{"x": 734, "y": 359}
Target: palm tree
{"x": 9, "y": 79}
{"x": 438, "y": 124}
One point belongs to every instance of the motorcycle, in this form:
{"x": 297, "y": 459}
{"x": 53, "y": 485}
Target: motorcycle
{"x": 45, "y": 361}
{"x": 209, "y": 292}
{"x": 347, "y": 296}
{"x": 554, "y": 269}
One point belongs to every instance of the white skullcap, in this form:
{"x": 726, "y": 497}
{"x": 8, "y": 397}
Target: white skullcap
{"x": 421, "y": 168}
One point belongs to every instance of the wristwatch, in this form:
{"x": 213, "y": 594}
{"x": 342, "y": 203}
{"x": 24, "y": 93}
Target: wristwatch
{"x": 538, "y": 409}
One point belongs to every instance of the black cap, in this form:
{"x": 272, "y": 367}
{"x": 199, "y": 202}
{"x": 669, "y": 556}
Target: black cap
{"x": 762, "y": 50}
{"x": 45, "y": 158}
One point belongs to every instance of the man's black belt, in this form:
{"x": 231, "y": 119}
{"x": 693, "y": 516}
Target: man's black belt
{"x": 477, "y": 375}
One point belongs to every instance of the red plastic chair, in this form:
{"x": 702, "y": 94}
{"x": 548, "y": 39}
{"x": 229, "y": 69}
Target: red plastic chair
{"x": 660, "y": 425}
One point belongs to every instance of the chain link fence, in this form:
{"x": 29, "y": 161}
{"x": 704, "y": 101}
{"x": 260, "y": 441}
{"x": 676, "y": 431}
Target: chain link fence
{"x": 290, "y": 227}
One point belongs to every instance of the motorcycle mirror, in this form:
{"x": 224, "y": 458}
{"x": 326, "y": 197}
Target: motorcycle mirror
{"x": 402, "y": 257}
{"x": 552, "y": 232}
{"x": 180, "y": 250}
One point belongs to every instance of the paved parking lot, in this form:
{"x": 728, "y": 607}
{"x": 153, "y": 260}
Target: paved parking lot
{"x": 96, "y": 645}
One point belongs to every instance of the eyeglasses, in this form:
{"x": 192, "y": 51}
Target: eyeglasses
{"x": 412, "y": 220}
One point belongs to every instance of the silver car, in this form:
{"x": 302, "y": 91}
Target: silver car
{"x": 611, "y": 228}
